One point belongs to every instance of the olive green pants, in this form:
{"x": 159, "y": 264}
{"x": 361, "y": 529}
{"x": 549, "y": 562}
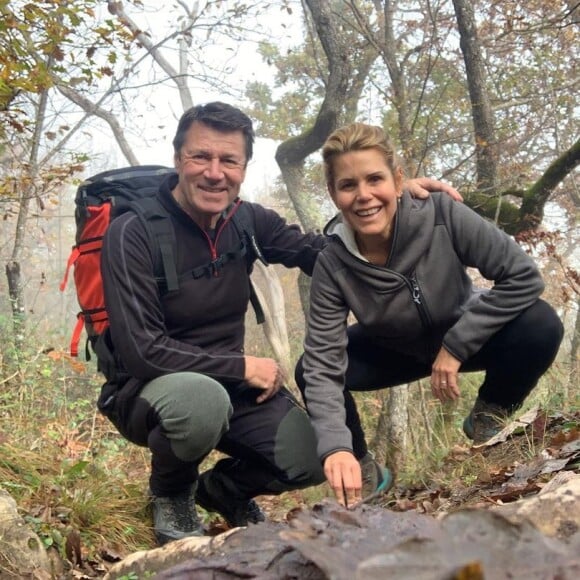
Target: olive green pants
{"x": 181, "y": 417}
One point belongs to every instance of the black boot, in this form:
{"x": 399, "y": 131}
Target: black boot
{"x": 213, "y": 496}
{"x": 484, "y": 421}
{"x": 175, "y": 517}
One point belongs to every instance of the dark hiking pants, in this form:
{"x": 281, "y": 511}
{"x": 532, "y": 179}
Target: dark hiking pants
{"x": 182, "y": 417}
{"x": 513, "y": 359}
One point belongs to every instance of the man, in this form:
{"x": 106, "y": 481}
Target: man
{"x": 190, "y": 388}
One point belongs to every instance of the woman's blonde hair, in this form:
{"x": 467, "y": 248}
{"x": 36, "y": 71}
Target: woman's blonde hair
{"x": 357, "y": 137}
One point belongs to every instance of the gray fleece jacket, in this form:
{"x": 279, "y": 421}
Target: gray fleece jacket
{"x": 421, "y": 299}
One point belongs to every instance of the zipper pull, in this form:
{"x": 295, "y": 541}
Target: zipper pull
{"x": 416, "y": 291}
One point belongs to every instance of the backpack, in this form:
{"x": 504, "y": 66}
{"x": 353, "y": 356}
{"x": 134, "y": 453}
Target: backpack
{"x": 98, "y": 201}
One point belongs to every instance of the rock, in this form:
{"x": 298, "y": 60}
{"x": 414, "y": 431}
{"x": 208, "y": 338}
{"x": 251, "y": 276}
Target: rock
{"x": 281, "y": 549}
{"x": 22, "y": 554}
{"x": 152, "y": 561}
{"x": 475, "y": 544}
{"x": 372, "y": 543}
{"x": 555, "y": 510}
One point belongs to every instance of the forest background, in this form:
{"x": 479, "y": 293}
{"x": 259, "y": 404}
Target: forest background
{"x": 480, "y": 93}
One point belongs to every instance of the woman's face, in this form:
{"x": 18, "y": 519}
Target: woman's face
{"x": 366, "y": 191}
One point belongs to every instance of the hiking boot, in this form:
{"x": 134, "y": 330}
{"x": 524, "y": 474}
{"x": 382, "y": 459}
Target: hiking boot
{"x": 377, "y": 480}
{"x": 175, "y": 517}
{"x": 212, "y": 497}
{"x": 484, "y": 421}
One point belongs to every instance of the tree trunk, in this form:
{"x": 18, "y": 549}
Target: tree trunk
{"x": 389, "y": 443}
{"x": 271, "y": 296}
{"x": 15, "y": 294}
{"x": 399, "y": 84}
{"x": 572, "y": 384}
{"x": 343, "y": 89}
{"x": 481, "y": 111}
{"x": 535, "y": 197}
{"x": 13, "y": 268}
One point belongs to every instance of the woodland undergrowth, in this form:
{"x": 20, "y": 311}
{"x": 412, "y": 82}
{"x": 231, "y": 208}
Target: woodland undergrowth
{"x": 83, "y": 488}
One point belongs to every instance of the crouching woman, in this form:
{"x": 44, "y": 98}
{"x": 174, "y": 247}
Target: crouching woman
{"x": 398, "y": 264}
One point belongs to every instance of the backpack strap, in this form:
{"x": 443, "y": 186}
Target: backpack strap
{"x": 160, "y": 228}
{"x": 213, "y": 267}
{"x": 243, "y": 220}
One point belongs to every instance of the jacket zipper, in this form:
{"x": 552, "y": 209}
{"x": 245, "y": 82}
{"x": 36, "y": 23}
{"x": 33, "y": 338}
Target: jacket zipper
{"x": 417, "y": 296}
{"x": 213, "y": 245}
{"x": 412, "y": 284}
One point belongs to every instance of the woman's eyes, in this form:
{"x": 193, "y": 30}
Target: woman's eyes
{"x": 348, "y": 185}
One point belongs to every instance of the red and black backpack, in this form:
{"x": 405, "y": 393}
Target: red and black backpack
{"x": 98, "y": 201}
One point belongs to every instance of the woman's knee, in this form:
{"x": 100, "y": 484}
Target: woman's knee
{"x": 542, "y": 330}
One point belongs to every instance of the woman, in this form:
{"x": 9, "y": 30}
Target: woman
{"x": 399, "y": 266}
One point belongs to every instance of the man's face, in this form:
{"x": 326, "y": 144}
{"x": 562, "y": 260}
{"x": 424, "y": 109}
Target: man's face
{"x": 211, "y": 167}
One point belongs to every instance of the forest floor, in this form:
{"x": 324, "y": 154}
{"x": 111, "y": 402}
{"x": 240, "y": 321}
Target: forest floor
{"x": 518, "y": 464}
{"x": 515, "y": 465}
{"x": 537, "y": 452}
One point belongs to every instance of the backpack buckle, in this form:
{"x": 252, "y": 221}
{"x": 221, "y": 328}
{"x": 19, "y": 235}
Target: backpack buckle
{"x": 216, "y": 265}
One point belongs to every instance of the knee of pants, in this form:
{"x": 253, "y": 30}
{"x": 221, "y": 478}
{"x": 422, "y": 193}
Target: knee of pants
{"x": 295, "y": 452}
{"x": 194, "y": 412}
{"x": 544, "y": 331}
{"x": 554, "y": 329}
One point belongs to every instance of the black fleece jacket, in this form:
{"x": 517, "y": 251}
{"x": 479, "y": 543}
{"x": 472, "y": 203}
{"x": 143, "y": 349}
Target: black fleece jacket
{"x": 199, "y": 327}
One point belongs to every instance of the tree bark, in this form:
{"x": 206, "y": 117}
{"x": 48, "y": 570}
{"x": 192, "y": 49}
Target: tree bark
{"x": 343, "y": 89}
{"x": 481, "y": 111}
{"x": 341, "y": 92}
{"x": 390, "y": 440}
{"x": 271, "y": 296}
{"x": 385, "y": 43}
{"x": 535, "y": 197}
{"x": 13, "y": 268}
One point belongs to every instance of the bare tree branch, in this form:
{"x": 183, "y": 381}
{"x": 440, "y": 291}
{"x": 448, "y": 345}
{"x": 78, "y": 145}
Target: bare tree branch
{"x": 89, "y": 107}
{"x": 180, "y": 80}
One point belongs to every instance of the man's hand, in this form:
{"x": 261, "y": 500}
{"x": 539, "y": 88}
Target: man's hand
{"x": 344, "y": 476}
{"x": 421, "y": 186}
{"x": 265, "y": 374}
{"x": 444, "y": 376}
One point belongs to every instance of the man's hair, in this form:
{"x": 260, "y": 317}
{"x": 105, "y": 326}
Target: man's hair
{"x": 357, "y": 137}
{"x": 218, "y": 116}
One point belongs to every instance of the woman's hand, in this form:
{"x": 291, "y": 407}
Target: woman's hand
{"x": 444, "y": 376}
{"x": 421, "y": 186}
{"x": 344, "y": 476}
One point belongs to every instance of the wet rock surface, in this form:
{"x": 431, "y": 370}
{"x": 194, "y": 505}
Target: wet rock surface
{"x": 371, "y": 542}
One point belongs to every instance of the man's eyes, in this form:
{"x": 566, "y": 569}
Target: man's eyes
{"x": 204, "y": 159}
{"x": 230, "y": 163}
